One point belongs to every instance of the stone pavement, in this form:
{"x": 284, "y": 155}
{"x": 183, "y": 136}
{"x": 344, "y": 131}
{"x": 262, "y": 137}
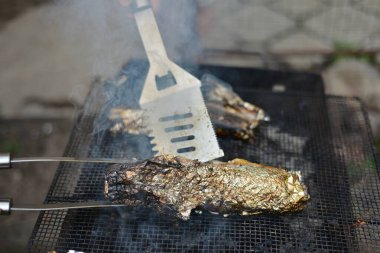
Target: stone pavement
{"x": 294, "y": 25}
{"x": 50, "y": 54}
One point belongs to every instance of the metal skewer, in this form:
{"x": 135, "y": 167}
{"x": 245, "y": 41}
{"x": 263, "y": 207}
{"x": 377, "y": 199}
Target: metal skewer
{"x": 6, "y": 206}
{"x": 6, "y": 161}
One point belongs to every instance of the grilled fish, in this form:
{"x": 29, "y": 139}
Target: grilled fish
{"x": 176, "y": 185}
{"x": 229, "y": 113}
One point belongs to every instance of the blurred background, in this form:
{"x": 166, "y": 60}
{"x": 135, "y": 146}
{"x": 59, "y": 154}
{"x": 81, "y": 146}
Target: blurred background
{"x": 51, "y": 51}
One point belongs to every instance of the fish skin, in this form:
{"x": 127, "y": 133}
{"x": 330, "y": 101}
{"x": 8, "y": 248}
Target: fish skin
{"x": 230, "y": 115}
{"x": 175, "y": 185}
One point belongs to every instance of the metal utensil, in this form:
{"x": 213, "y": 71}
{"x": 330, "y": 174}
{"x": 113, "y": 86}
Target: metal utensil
{"x": 6, "y": 206}
{"x": 175, "y": 111}
{"x": 6, "y": 161}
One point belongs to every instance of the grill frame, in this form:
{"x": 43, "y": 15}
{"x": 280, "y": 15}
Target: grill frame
{"x": 327, "y": 225}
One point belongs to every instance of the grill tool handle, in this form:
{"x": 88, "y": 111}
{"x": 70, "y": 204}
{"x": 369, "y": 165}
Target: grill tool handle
{"x": 6, "y": 161}
{"x": 6, "y": 206}
{"x": 148, "y": 29}
{"x": 164, "y": 77}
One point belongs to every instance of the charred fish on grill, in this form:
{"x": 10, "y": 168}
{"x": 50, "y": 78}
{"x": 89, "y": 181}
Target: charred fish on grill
{"x": 230, "y": 115}
{"x": 176, "y": 185}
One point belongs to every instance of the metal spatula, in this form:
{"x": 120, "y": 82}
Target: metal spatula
{"x": 176, "y": 114}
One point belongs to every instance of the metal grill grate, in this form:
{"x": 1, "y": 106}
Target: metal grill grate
{"x": 326, "y": 138}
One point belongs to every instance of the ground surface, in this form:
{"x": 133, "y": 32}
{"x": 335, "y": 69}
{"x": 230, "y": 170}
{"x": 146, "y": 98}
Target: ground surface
{"x": 28, "y": 183}
{"x": 51, "y": 53}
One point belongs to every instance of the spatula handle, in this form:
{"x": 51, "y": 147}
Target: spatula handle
{"x": 149, "y": 32}
{"x": 164, "y": 77}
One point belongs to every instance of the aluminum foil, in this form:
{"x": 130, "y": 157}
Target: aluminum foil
{"x": 175, "y": 185}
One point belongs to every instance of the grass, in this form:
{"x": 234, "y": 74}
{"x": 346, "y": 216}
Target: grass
{"x": 341, "y": 49}
{"x": 377, "y": 144}
{"x": 10, "y": 146}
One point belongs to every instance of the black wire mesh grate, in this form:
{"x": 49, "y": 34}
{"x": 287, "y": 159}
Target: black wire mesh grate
{"x": 326, "y": 138}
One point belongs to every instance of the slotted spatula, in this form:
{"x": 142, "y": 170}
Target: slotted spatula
{"x": 175, "y": 111}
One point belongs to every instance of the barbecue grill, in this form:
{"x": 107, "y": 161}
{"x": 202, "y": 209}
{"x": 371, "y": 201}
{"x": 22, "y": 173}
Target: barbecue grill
{"x": 327, "y": 138}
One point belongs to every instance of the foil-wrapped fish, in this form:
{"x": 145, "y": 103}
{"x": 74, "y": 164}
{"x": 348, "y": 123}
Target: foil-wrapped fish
{"x": 128, "y": 120}
{"x": 230, "y": 115}
{"x": 176, "y": 185}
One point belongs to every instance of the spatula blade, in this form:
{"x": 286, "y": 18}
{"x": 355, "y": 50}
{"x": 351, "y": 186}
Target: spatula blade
{"x": 180, "y": 125}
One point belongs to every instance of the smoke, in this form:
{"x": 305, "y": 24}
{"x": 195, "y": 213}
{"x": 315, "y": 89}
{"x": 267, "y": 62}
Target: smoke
{"x": 103, "y": 36}
{"x": 105, "y": 33}
{"x": 177, "y": 22}
{"x": 100, "y": 32}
